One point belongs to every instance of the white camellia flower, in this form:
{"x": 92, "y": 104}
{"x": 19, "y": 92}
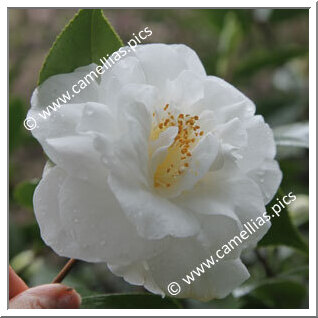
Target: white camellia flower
{"x": 156, "y": 166}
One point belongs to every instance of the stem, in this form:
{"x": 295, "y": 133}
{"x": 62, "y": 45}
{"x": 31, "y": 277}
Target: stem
{"x": 64, "y": 271}
{"x": 263, "y": 260}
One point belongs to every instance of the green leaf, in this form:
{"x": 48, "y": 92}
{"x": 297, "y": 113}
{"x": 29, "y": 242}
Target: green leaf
{"x": 129, "y": 301}
{"x": 17, "y": 114}
{"x": 281, "y": 15}
{"x": 274, "y": 293}
{"x": 282, "y": 231}
{"x": 22, "y": 260}
{"x": 293, "y": 135}
{"x": 87, "y": 38}
{"x": 229, "y": 41}
{"x": 23, "y": 193}
{"x": 261, "y": 59}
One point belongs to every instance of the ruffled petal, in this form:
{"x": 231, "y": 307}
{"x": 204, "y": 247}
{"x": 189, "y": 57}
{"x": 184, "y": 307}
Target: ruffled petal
{"x": 268, "y": 177}
{"x": 154, "y": 216}
{"x": 225, "y": 101}
{"x": 162, "y": 62}
{"x": 127, "y": 70}
{"x": 77, "y": 156}
{"x": 190, "y": 58}
{"x": 59, "y": 124}
{"x": 232, "y": 195}
{"x": 186, "y": 90}
{"x": 260, "y": 144}
{"x": 137, "y": 274}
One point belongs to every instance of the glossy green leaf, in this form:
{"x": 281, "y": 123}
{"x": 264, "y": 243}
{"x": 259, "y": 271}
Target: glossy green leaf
{"x": 129, "y": 301}
{"x": 23, "y": 193}
{"x": 282, "y": 231}
{"x": 274, "y": 294}
{"x": 87, "y": 38}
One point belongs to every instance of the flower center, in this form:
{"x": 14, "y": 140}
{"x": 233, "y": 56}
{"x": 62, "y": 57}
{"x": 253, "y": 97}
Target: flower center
{"x": 178, "y": 157}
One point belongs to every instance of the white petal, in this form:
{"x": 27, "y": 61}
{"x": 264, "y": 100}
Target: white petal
{"x": 70, "y": 211}
{"x": 190, "y": 58}
{"x": 160, "y": 63}
{"x": 235, "y": 196}
{"x": 96, "y": 222}
{"x": 268, "y": 176}
{"x": 154, "y": 216}
{"x": 201, "y": 160}
{"x": 125, "y": 150}
{"x": 260, "y": 144}
{"x": 184, "y": 255}
{"x": 160, "y": 147}
{"x": 249, "y": 205}
{"x": 225, "y": 101}
{"x": 137, "y": 274}
{"x": 213, "y": 234}
{"x": 46, "y": 209}
{"x": 59, "y": 124}
{"x": 77, "y": 156}
{"x": 98, "y": 118}
{"x": 56, "y": 85}
{"x": 127, "y": 70}
{"x": 186, "y": 90}
{"x": 232, "y": 133}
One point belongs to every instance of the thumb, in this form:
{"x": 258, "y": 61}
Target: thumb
{"x": 48, "y": 296}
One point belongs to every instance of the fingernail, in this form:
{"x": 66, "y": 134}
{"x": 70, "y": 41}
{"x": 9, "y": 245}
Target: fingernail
{"x": 70, "y": 299}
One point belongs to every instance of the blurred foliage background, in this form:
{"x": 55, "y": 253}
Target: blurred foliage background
{"x": 263, "y": 52}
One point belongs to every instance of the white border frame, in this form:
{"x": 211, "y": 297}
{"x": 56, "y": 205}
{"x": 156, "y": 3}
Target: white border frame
{"x": 312, "y": 160}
